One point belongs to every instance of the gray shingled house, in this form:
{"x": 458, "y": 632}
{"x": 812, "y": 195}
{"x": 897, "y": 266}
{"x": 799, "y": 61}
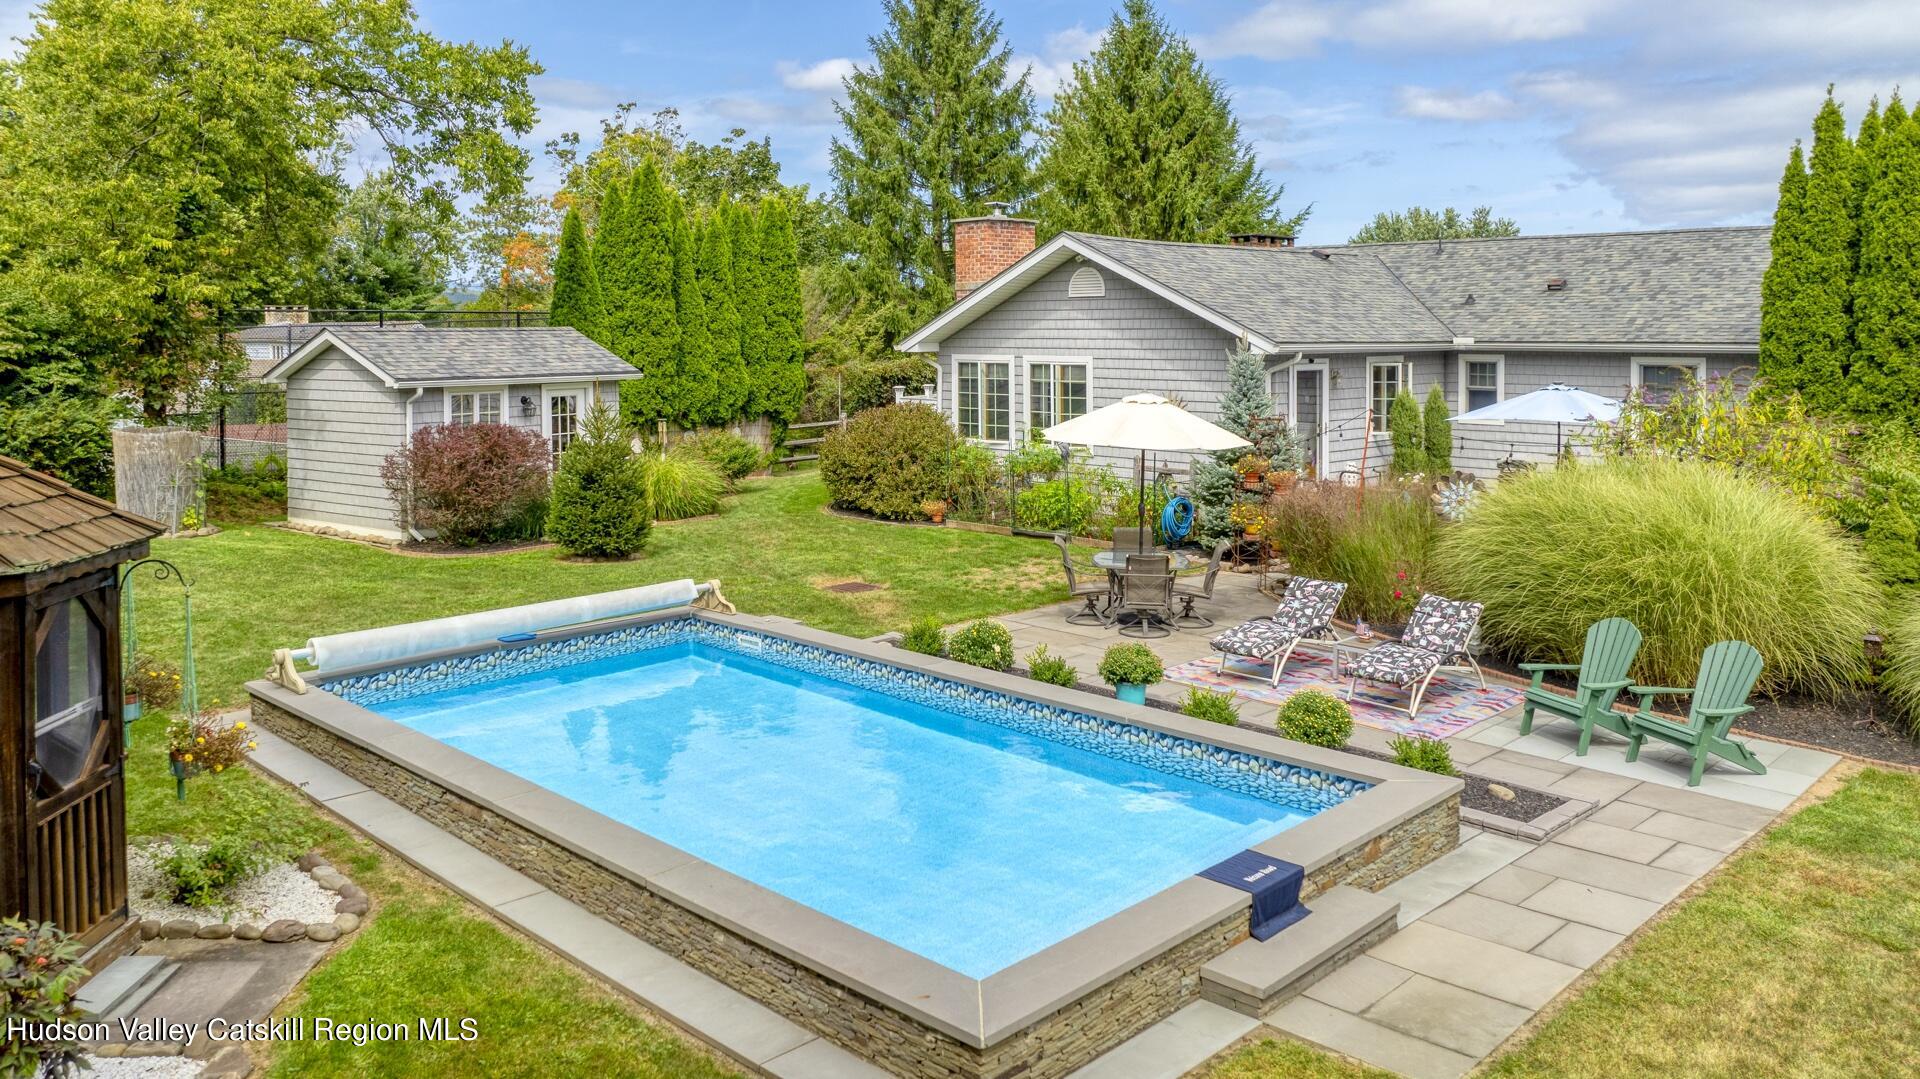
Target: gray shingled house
{"x": 1085, "y": 320}
{"x": 356, "y": 393}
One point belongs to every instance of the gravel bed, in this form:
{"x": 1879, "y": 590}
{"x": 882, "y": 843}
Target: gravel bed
{"x": 169, "y": 1067}
{"x": 282, "y": 891}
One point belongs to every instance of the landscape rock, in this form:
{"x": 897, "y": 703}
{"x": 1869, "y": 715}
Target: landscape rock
{"x": 352, "y": 906}
{"x": 284, "y": 930}
{"x": 326, "y": 877}
{"x": 1505, "y": 794}
{"x": 178, "y": 929}
{"x": 247, "y": 931}
{"x": 310, "y": 861}
{"x": 323, "y": 931}
{"x": 216, "y": 931}
{"x": 108, "y": 1049}
{"x": 347, "y": 923}
{"x": 149, "y": 928}
{"x": 353, "y": 891}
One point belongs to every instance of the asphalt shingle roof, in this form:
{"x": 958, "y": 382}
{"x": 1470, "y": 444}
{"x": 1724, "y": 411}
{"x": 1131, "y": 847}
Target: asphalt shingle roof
{"x": 431, "y": 357}
{"x": 44, "y": 522}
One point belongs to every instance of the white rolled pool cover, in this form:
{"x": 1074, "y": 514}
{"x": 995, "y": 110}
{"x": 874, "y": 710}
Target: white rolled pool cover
{"x": 388, "y": 643}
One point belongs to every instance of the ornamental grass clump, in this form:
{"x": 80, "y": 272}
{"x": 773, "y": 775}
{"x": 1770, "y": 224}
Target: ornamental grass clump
{"x": 1212, "y": 705}
{"x": 983, "y": 644}
{"x": 1044, "y": 666}
{"x": 1378, "y": 542}
{"x": 1316, "y": 718}
{"x": 1692, "y": 554}
{"x": 680, "y": 485}
{"x": 1902, "y": 677}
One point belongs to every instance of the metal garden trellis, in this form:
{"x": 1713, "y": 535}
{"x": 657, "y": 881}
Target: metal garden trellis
{"x": 189, "y": 689}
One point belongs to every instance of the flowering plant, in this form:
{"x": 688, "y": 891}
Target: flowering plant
{"x": 38, "y": 976}
{"x": 155, "y": 680}
{"x": 1248, "y": 517}
{"x": 201, "y": 744}
{"x": 1252, "y": 465}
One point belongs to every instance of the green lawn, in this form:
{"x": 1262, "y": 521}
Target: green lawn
{"x": 1802, "y": 957}
{"x": 426, "y": 952}
{"x": 772, "y": 547}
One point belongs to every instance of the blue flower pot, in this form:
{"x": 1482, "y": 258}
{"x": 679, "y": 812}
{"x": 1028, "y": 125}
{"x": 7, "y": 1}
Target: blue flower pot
{"x": 1132, "y": 693}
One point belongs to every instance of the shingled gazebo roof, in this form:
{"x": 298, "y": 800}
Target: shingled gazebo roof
{"x": 45, "y": 523}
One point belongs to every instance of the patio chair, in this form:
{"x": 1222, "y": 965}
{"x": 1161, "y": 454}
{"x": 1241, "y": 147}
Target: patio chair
{"x": 1612, "y": 644}
{"x": 1204, "y": 591}
{"x": 1091, "y": 591}
{"x": 1133, "y": 540}
{"x": 1728, "y": 670}
{"x": 1305, "y": 613}
{"x": 1436, "y": 636}
{"x": 1146, "y": 592}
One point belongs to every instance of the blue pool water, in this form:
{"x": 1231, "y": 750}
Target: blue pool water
{"x": 968, "y": 843}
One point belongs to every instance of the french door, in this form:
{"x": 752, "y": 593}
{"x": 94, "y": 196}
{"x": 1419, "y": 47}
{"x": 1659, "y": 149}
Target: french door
{"x": 1309, "y": 400}
{"x": 564, "y": 410}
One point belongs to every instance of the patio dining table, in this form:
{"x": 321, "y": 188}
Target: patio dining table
{"x": 1116, "y": 561}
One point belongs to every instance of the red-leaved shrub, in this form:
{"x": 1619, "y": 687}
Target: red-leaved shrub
{"x": 470, "y": 483}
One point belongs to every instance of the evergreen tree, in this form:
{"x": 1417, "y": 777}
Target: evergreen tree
{"x": 1246, "y": 398}
{"x": 1437, "y": 439}
{"x": 750, "y": 299}
{"x": 598, "y": 506}
{"x": 1782, "y": 331}
{"x": 636, "y": 282}
{"x": 1893, "y": 543}
{"x": 1142, "y": 141}
{"x": 1407, "y": 433}
{"x": 723, "y": 318}
{"x": 1864, "y": 162}
{"x": 1886, "y": 379}
{"x": 1420, "y": 223}
{"x": 934, "y": 129}
{"x": 1895, "y": 115}
{"x": 576, "y": 288}
{"x": 781, "y": 381}
{"x": 693, "y": 404}
{"x": 1826, "y": 351}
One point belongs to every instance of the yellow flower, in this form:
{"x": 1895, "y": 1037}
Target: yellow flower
{"x": 240, "y": 726}
{"x": 200, "y": 741}
{"x": 187, "y": 757}
{"x": 253, "y": 745}
{"x": 216, "y": 768}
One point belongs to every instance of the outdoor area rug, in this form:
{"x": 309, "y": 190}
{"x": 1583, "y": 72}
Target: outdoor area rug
{"x": 1453, "y": 702}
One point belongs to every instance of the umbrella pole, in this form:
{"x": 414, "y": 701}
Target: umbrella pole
{"x": 1140, "y": 477}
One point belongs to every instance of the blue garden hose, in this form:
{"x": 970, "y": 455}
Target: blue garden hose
{"x": 1176, "y": 520}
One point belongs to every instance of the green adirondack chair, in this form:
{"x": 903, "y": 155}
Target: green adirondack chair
{"x": 1728, "y": 670}
{"x": 1612, "y": 643}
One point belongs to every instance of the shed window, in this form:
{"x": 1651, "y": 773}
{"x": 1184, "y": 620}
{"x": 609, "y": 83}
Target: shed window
{"x": 474, "y": 407}
{"x": 69, "y": 682}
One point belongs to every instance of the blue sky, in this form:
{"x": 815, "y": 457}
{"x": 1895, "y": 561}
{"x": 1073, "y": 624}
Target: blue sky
{"x": 1567, "y": 115}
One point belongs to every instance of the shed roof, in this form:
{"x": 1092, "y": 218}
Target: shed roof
{"x": 46, "y": 523}
{"x": 439, "y": 357}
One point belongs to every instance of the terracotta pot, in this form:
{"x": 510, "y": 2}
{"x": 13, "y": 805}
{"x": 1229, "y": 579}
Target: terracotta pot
{"x": 1281, "y": 482}
{"x": 939, "y": 518}
{"x": 1250, "y": 483}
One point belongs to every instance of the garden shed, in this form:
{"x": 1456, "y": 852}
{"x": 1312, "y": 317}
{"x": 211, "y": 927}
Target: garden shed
{"x": 63, "y": 852}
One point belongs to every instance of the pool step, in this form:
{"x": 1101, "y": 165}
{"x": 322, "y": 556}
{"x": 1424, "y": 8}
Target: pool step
{"x": 1256, "y": 976}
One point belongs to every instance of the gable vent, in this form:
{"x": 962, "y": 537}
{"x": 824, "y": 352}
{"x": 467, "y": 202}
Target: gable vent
{"x": 1085, "y": 284}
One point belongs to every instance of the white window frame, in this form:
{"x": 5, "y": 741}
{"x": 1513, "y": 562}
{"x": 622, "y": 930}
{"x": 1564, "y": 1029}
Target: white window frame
{"x": 1085, "y": 363}
{"x": 1325, "y": 368}
{"x": 1015, "y": 401}
{"x": 446, "y": 395}
{"x": 1641, "y": 363}
{"x": 547, "y": 393}
{"x": 1499, "y": 383}
{"x": 1399, "y": 365}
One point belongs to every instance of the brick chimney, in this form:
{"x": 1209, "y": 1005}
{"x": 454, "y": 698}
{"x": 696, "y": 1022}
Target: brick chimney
{"x": 286, "y": 315}
{"x": 983, "y": 246}
{"x": 1260, "y": 239}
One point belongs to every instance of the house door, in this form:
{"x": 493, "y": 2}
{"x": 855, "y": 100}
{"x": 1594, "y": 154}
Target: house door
{"x": 564, "y": 409}
{"x": 1310, "y": 415}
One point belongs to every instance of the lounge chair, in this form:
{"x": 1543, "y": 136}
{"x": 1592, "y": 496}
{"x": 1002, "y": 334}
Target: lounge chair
{"x": 1146, "y": 593}
{"x": 1305, "y": 613}
{"x": 1204, "y": 591}
{"x": 1091, "y": 591}
{"x": 1436, "y": 636}
{"x": 1612, "y": 644}
{"x": 1728, "y": 670}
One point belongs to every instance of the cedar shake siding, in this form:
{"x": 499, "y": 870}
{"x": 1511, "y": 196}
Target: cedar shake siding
{"x": 342, "y": 422}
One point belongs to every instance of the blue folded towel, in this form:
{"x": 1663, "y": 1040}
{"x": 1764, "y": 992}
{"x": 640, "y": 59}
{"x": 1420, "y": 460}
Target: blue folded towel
{"x": 1274, "y": 884}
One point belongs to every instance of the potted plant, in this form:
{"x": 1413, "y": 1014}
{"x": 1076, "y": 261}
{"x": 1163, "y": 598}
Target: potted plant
{"x": 1281, "y": 481}
{"x": 1130, "y": 669}
{"x": 197, "y": 744}
{"x": 935, "y": 509}
{"x": 1251, "y": 468}
{"x": 1249, "y": 518}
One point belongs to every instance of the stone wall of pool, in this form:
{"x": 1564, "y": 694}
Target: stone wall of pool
{"x": 1042, "y": 1017}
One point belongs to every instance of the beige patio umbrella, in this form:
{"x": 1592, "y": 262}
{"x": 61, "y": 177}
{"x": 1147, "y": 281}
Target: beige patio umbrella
{"x": 1142, "y": 422}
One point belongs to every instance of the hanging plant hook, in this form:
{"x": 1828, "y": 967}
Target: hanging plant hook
{"x": 161, "y": 570}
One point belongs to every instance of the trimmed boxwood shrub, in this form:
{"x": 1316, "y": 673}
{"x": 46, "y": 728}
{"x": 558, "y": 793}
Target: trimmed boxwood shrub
{"x": 887, "y": 461}
{"x": 1131, "y": 665}
{"x": 1316, "y": 718}
{"x": 1212, "y": 705}
{"x": 983, "y": 644}
{"x": 926, "y": 636}
{"x": 1044, "y": 666}
{"x": 1690, "y": 553}
{"x": 1902, "y": 677}
{"x": 599, "y": 503}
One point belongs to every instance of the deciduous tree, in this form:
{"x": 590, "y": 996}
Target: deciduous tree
{"x": 1420, "y": 223}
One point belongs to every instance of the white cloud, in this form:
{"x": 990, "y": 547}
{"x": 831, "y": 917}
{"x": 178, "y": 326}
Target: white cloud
{"x": 1052, "y": 67}
{"x": 1287, "y": 28}
{"x": 1425, "y": 103}
{"x": 820, "y": 78}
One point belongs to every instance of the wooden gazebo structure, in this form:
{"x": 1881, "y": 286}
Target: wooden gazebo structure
{"x": 63, "y": 853}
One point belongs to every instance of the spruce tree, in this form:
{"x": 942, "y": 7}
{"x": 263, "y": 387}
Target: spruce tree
{"x": 1142, "y": 142}
{"x": 576, "y": 289}
{"x": 1827, "y": 348}
{"x": 1886, "y": 379}
{"x": 1437, "y": 439}
{"x": 693, "y": 369}
{"x": 782, "y": 378}
{"x": 1782, "y": 331}
{"x": 934, "y": 128}
{"x": 723, "y": 318}
{"x": 1246, "y": 399}
{"x": 1407, "y": 433}
{"x": 636, "y": 281}
{"x": 750, "y": 299}
{"x": 598, "y": 506}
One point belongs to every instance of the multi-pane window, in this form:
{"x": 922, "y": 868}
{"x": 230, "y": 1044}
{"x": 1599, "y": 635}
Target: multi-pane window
{"x": 563, "y": 423}
{"x": 1056, "y": 392}
{"x": 1385, "y": 386}
{"x": 983, "y": 405}
{"x": 473, "y": 407}
{"x": 1660, "y": 381}
{"x": 1483, "y": 383}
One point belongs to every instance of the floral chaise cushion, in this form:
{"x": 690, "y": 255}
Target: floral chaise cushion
{"x": 1307, "y": 606}
{"x": 1441, "y": 625}
{"x": 1394, "y": 664}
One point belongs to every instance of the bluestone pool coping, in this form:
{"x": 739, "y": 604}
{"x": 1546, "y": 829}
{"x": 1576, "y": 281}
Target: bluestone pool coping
{"x": 978, "y": 1012}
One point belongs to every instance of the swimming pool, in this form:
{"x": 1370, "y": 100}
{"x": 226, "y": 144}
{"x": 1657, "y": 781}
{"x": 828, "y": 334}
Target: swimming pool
{"x": 967, "y": 842}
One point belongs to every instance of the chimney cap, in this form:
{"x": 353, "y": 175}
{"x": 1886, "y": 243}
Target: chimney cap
{"x": 998, "y": 209}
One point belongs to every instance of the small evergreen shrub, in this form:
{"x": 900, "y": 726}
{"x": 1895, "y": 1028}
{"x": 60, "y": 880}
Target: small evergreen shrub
{"x": 1316, "y": 718}
{"x": 680, "y": 485}
{"x": 468, "y": 483}
{"x": 39, "y": 974}
{"x": 1212, "y": 705}
{"x": 1426, "y": 754}
{"x": 1437, "y": 439}
{"x": 1131, "y": 665}
{"x": 985, "y": 643}
{"x": 730, "y": 455}
{"x": 199, "y": 875}
{"x": 887, "y": 461}
{"x": 1044, "y": 666}
{"x": 1902, "y": 676}
{"x": 1408, "y": 434}
{"x": 599, "y": 506}
{"x": 925, "y": 636}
